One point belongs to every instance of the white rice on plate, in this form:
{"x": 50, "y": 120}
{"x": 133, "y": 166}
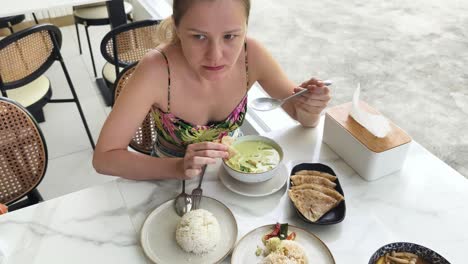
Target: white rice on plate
{"x": 198, "y": 232}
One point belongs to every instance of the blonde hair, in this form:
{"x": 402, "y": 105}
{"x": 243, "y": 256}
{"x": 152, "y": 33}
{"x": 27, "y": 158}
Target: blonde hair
{"x": 167, "y": 28}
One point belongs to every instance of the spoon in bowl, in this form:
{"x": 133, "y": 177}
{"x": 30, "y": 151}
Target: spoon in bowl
{"x": 268, "y": 103}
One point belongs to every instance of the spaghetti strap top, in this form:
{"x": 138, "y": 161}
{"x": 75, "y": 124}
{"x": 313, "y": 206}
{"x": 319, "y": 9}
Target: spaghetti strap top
{"x": 181, "y": 133}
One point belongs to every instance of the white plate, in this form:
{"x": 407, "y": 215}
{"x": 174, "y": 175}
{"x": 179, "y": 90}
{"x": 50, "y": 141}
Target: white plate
{"x": 255, "y": 189}
{"x": 317, "y": 252}
{"x": 158, "y": 234}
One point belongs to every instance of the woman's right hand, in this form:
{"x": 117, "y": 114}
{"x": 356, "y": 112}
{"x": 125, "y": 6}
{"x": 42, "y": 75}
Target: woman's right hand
{"x": 199, "y": 154}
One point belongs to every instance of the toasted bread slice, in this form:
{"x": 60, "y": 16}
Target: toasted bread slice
{"x": 316, "y": 173}
{"x": 312, "y": 204}
{"x": 303, "y": 179}
{"x": 228, "y": 140}
{"x": 332, "y": 193}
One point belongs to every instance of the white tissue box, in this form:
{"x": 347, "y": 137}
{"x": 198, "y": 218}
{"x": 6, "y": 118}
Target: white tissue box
{"x": 371, "y": 157}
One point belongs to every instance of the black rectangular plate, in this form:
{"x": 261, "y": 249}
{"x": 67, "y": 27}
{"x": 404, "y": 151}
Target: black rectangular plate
{"x": 336, "y": 214}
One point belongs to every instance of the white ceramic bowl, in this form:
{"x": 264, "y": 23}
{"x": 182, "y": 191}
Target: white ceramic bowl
{"x": 251, "y": 177}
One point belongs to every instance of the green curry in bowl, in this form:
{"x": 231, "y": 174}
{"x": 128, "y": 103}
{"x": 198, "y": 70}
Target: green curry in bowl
{"x": 253, "y": 157}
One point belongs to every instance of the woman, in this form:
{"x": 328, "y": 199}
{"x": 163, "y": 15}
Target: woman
{"x": 196, "y": 86}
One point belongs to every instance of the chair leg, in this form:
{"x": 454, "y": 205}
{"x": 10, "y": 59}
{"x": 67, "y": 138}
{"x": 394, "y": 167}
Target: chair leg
{"x": 90, "y": 51}
{"x": 35, "y": 18}
{"x": 78, "y": 35}
{"x": 38, "y": 115}
{"x": 11, "y": 29}
{"x": 34, "y": 197}
{"x": 78, "y": 105}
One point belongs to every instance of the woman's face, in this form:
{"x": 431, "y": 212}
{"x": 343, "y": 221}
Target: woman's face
{"x": 212, "y": 34}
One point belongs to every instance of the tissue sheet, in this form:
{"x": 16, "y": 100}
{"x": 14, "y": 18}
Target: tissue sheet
{"x": 377, "y": 125}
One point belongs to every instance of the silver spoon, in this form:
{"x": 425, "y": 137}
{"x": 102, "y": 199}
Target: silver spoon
{"x": 197, "y": 192}
{"x": 183, "y": 202}
{"x": 268, "y": 103}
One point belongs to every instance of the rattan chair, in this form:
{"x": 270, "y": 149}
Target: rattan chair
{"x": 125, "y": 45}
{"x": 24, "y": 57}
{"x": 94, "y": 15}
{"x": 23, "y": 156}
{"x": 145, "y": 137}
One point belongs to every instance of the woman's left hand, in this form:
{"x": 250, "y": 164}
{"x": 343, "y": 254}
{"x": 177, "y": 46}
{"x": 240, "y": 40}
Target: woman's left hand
{"x": 3, "y": 209}
{"x": 309, "y": 105}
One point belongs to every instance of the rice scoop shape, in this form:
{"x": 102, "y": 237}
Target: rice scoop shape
{"x": 198, "y": 232}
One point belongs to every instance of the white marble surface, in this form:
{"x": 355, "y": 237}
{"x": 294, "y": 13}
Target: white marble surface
{"x": 424, "y": 203}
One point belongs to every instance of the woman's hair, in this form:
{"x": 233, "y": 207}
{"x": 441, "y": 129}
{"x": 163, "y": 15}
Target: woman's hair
{"x": 166, "y": 29}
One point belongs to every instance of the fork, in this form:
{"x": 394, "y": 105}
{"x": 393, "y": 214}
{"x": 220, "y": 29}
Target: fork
{"x": 197, "y": 192}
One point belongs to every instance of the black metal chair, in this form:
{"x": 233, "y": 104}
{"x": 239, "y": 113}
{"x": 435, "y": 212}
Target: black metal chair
{"x": 94, "y": 15}
{"x": 24, "y": 57}
{"x": 10, "y": 21}
{"x": 23, "y": 156}
{"x": 125, "y": 45}
{"x": 145, "y": 136}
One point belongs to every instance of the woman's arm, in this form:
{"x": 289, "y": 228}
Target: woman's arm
{"x": 111, "y": 156}
{"x": 306, "y": 108}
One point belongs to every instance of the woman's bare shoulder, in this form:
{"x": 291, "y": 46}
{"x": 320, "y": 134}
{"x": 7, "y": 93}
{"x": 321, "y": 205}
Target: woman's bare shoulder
{"x": 157, "y": 61}
{"x": 258, "y": 57}
{"x": 153, "y": 61}
{"x": 255, "y": 47}
{"x": 150, "y": 77}
{"x": 152, "y": 69}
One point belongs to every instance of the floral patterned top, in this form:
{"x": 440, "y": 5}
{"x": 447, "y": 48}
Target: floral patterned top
{"x": 182, "y": 133}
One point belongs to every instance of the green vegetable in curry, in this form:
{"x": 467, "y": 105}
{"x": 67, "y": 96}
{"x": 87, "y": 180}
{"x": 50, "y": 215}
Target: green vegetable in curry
{"x": 253, "y": 157}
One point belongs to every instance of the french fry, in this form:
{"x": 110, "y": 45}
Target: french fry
{"x": 405, "y": 254}
{"x": 398, "y": 260}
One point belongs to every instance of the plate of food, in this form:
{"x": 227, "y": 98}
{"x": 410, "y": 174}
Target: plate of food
{"x": 405, "y": 252}
{"x": 281, "y": 243}
{"x": 316, "y": 193}
{"x": 205, "y": 235}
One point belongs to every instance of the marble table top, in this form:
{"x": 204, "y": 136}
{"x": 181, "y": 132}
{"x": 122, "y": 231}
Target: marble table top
{"x": 424, "y": 203}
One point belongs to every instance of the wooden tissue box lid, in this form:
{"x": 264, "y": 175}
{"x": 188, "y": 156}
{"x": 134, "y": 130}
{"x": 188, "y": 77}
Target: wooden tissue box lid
{"x": 395, "y": 138}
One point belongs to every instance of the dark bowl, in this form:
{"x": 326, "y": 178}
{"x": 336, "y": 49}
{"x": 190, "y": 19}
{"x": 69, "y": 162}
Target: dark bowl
{"x": 336, "y": 214}
{"x": 423, "y": 252}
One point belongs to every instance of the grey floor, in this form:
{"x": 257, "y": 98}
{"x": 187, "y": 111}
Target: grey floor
{"x": 70, "y": 152}
{"x": 410, "y": 59}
